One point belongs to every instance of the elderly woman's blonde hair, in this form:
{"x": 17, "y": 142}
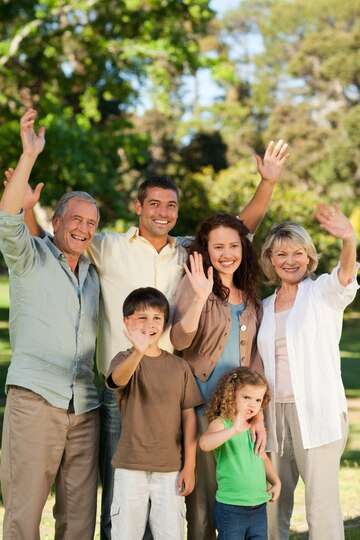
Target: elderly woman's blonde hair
{"x": 279, "y": 233}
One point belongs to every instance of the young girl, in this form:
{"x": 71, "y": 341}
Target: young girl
{"x": 241, "y": 474}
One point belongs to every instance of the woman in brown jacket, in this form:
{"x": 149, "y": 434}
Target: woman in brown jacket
{"x": 215, "y": 325}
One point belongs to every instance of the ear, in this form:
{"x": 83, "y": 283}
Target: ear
{"x": 138, "y": 207}
{"x": 55, "y": 223}
{"x": 127, "y": 322}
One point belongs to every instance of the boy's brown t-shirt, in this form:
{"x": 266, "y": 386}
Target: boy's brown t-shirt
{"x": 151, "y": 405}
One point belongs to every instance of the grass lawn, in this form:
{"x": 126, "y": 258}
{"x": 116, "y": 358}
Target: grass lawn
{"x": 350, "y": 469}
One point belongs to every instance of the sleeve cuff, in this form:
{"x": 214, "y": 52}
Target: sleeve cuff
{"x": 7, "y": 217}
{"x": 353, "y": 284}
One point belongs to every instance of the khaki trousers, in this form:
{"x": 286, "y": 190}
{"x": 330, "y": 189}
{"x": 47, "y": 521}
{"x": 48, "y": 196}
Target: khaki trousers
{"x": 200, "y": 504}
{"x": 133, "y": 491}
{"x": 42, "y": 444}
{"x": 319, "y": 469}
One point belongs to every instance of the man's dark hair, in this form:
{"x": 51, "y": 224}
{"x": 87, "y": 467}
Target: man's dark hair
{"x": 163, "y": 182}
{"x": 146, "y": 297}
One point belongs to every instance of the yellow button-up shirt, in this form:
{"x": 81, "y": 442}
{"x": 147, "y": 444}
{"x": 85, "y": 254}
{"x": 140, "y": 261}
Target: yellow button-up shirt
{"x": 125, "y": 262}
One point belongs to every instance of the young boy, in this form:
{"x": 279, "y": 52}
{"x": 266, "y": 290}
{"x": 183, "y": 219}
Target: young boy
{"x": 158, "y": 394}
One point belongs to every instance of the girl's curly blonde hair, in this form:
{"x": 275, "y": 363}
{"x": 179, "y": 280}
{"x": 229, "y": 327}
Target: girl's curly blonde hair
{"x": 223, "y": 402}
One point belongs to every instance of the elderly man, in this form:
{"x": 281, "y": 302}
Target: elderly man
{"x": 51, "y": 424}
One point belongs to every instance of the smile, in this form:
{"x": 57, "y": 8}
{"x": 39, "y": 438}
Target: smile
{"x": 80, "y": 238}
{"x": 227, "y": 263}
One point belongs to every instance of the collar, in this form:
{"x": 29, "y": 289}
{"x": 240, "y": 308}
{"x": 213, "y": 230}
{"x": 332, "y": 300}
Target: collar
{"x": 49, "y": 241}
{"x": 133, "y": 233}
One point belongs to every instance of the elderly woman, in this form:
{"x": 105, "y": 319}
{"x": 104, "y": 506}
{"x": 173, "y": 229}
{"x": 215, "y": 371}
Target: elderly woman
{"x": 299, "y": 344}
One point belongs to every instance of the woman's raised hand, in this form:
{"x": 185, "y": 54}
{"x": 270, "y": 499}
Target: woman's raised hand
{"x": 271, "y": 165}
{"x": 202, "y": 285}
{"x": 334, "y": 221}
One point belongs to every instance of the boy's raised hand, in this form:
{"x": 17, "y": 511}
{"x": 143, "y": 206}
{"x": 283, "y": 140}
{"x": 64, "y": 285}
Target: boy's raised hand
{"x": 138, "y": 338}
{"x": 32, "y": 143}
{"x": 32, "y": 196}
{"x": 271, "y": 165}
{"x": 202, "y": 285}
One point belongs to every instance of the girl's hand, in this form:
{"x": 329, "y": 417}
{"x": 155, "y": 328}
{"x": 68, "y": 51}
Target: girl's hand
{"x": 334, "y": 221}
{"x": 270, "y": 166}
{"x": 274, "y": 491}
{"x": 202, "y": 285}
{"x": 240, "y": 423}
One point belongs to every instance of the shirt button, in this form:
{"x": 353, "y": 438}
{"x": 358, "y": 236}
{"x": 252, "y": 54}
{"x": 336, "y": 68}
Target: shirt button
{"x": 204, "y": 374}
{"x": 243, "y": 327}
{"x": 242, "y": 342}
{"x": 243, "y": 359}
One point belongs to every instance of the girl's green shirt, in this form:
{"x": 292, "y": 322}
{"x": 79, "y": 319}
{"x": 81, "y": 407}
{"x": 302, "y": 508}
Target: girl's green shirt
{"x": 240, "y": 473}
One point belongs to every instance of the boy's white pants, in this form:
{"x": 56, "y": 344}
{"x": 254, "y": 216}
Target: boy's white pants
{"x": 134, "y": 491}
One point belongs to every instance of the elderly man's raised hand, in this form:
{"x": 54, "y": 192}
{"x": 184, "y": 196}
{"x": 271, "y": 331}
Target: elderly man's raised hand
{"x": 32, "y": 143}
{"x": 271, "y": 165}
{"x": 32, "y": 196}
{"x": 334, "y": 221}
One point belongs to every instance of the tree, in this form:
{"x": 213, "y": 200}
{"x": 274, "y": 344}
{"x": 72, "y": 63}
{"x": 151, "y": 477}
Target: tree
{"x": 84, "y": 64}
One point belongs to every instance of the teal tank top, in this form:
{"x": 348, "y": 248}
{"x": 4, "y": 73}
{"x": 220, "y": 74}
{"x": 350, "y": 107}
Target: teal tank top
{"x": 240, "y": 473}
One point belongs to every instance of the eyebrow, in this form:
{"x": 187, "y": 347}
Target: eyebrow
{"x": 158, "y": 200}
{"x": 82, "y": 217}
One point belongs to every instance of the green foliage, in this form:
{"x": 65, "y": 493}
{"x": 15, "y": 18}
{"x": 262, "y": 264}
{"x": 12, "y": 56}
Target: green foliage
{"x": 82, "y": 64}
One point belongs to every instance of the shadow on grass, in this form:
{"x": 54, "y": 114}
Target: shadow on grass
{"x": 350, "y": 371}
{"x": 352, "y": 530}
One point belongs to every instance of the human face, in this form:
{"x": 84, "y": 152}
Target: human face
{"x": 74, "y": 230}
{"x": 149, "y": 321}
{"x": 158, "y": 213}
{"x": 290, "y": 261}
{"x": 225, "y": 251}
{"x": 249, "y": 399}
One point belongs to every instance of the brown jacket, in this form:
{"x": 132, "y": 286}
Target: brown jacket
{"x": 203, "y": 347}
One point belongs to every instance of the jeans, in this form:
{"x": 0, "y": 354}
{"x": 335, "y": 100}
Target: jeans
{"x": 241, "y": 522}
{"x": 109, "y": 438}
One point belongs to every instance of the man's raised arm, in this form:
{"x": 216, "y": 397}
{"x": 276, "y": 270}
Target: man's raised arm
{"x": 12, "y": 200}
{"x": 270, "y": 168}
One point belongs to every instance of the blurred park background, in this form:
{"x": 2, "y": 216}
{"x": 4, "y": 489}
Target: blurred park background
{"x": 192, "y": 89}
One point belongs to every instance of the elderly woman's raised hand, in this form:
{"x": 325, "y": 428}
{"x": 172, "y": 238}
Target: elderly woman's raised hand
{"x": 202, "y": 285}
{"x": 334, "y": 221}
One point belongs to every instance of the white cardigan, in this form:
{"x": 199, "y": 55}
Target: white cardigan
{"x": 313, "y": 332}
